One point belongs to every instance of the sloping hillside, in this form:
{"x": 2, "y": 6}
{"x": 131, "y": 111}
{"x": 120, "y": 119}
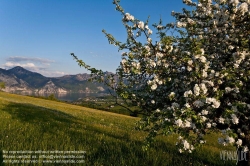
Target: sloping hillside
{"x": 109, "y": 139}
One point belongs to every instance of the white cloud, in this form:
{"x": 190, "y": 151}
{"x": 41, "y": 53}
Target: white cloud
{"x": 53, "y": 73}
{"x": 32, "y": 67}
{"x": 29, "y": 59}
{"x": 10, "y": 64}
{"x": 27, "y": 65}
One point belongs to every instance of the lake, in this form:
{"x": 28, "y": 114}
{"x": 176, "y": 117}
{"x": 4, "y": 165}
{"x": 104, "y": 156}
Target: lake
{"x": 66, "y": 96}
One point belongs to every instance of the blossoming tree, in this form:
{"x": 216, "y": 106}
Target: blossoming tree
{"x": 190, "y": 82}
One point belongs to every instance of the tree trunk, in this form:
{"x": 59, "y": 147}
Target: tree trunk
{"x": 244, "y": 158}
{"x": 248, "y": 145}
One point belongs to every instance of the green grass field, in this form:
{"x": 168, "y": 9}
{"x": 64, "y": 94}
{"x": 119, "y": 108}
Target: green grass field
{"x": 28, "y": 123}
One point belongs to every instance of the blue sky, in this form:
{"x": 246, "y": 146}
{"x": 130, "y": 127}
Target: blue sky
{"x": 40, "y": 34}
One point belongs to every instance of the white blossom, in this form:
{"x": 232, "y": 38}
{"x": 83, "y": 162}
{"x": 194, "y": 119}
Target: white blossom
{"x": 230, "y": 139}
{"x": 172, "y": 94}
{"x": 239, "y": 142}
{"x": 173, "y": 13}
{"x": 178, "y": 122}
{"x": 222, "y": 1}
{"x": 187, "y": 105}
{"x": 190, "y": 21}
{"x": 221, "y": 120}
{"x": 202, "y": 51}
{"x": 129, "y": 17}
{"x": 190, "y": 62}
{"x": 154, "y": 86}
{"x": 181, "y": 24}
{"x": 245, "y": 149}
{"x": 216, "y": 104}
{"x": 159, "y": 55}
{"x": 204, "y": 112}
{"x": 204, "y": 73}
{"x": 203, "y": 59}
{"x": 141, "y": 25}
{"x": 187, "y": 93}
{"x": 152, "y": 64}
{"x": 186, "y": 144}
{"x": 234, "y": 2}
{"x": 203, "y": 118}
{"x": 149, "y": 40}
{"x": 187, "y": 123}
{"x": 196, "y": 90}
{"x": 157, "y": 110}
{"x": 208, "y": 125}
{"x": 189, "y": 68}
{"x": 243, "y": 8}
{"x": 235, "y": 120}
{"x": 228, "y": 89}
{"x": 150, "y": 32}
{"x": 202, "y": 141}
{"x": 124, "y": 61}
{"x": 159, "y": 27}
{"x": 203, "y": 88}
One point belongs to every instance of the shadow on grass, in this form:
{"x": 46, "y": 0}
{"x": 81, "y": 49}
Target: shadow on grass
{"x": 37, "y": 115}
{"x": 34, "y": 114}
{"x": 111, "y": 149}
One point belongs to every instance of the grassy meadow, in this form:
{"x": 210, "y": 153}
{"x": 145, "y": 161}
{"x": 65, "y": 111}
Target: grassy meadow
{"x": 28, "y": 123}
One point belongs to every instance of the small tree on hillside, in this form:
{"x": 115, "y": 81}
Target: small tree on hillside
{"x": 194, "y": 81}
{"x": 2, "y": 85}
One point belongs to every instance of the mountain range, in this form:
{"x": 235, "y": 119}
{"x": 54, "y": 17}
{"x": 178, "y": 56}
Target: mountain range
{"x": 19, "y": 79}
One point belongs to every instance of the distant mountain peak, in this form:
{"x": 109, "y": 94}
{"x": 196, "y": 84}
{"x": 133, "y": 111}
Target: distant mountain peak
{"x": 19, "y": 70}
{"x": 19, "y": 78}
{"x": 50, "y": 82}
{"x": 18, "y": 67}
